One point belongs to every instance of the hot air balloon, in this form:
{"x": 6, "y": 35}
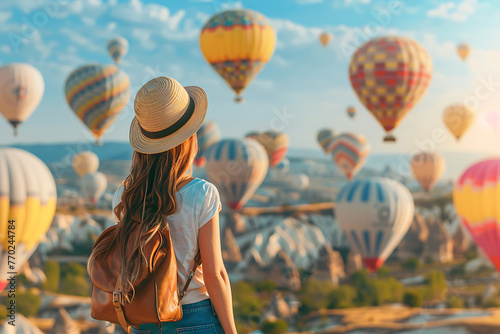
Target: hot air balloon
{"x": 28, "y": 198}
{"x": 237, "y": 44}
{"x": 476, "y": 196}
{"x": 21, "y": 90}
{"x": 351, "y": 111}
{"x": 252, "y": 135}
{"x": 208, "y": 135}
{"x": 374, "y": 214}
{"x": 237, "y": 167}
{"x": 325, "y": 38}
{"x": 458, "y": 118}
{"x": 325, "y": 138}
{"x": 85, "y": 162}
{"x": 349, "y": 152}
{"x": 93, "y": 186}
{"x": 463, "y": 50}
{"x": 97, "y": 94}
{"x": 427, "y": 168}
{"x": 390, "y": 75}
{"x": 276, "y": 145}
{"x": 117, "y": 48}
{"x": 283, "y": 167}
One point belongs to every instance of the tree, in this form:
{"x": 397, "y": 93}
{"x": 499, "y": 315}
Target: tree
{"x": 383, "y": 272}
{"x": 412, "y": 264}
{"x": 341, "y": 297}
{"x": 53, "y": 273}
{"x": 412, "y": 299}
{"x": 274, "y": 327}
{"x": 75, "y": 285}
{"x": 266, "y": 285}
{"x": 72, "y": 269}
{"x": 436, "y": 283}
{"x": 455, "y": 302}
{"x": 28, "y": 303}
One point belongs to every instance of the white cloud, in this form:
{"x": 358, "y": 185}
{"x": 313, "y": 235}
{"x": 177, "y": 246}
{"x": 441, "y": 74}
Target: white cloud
{"x": 291, "y": 33}
{"x": 26, "y": 6}
{"x": 263, "y": 83}
{"x": 144, "y": 38}
{"x": 88, "y": 21}
{"x": 454, "y": 12}
{"x": 81, "y": 40}
{"x": 5, "y": 16}
{"x": 347, "y": 3}
{"x": 5, "y": 49}
{"x": 111, "y": 26}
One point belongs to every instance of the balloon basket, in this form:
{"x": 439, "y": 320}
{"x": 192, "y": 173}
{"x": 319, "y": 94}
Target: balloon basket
{"x": 390, "y": 139}
{"x": 239, "y": 99}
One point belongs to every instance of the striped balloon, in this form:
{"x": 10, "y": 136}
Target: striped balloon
{"x": 208, "y": 135}
{"x": 28, "y": 197}
{"x": 375, "y": 214}
{"x": 427, "y": 168}
{"x": 325, "y": 139}
{"x": 117, "y": 48}
{"x": 349, "y": 152}
{"x": 476, "y": 198}
{"x": 276, "y": 145}
{"x": 252, "y": 134}
{"x": 97, "y": 94}
{"x": 237, "y": 167}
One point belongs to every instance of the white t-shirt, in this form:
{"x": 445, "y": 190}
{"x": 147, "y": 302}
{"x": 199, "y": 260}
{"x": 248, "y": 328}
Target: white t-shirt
{"x": 198, "y": 202}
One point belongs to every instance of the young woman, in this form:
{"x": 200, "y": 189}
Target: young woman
{"x": 163, "y": 136}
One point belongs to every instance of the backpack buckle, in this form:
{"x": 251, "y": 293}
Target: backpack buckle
{"x": 117, "y": 297}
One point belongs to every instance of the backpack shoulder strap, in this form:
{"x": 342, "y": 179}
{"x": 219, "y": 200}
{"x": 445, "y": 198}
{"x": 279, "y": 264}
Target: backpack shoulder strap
{"x": 197, "y": 262}
{"x": 117, "y": 303}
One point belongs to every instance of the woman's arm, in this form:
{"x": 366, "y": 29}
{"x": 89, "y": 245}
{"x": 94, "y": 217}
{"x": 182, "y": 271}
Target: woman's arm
{"x": 215, "y": 275}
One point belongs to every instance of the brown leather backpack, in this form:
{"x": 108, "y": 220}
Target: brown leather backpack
{"x": 156, "y": 298}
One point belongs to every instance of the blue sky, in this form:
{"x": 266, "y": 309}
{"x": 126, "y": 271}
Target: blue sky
{"x": 303, "y": 80}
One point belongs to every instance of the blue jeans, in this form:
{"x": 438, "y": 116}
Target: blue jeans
{"x": 197, "y": 318}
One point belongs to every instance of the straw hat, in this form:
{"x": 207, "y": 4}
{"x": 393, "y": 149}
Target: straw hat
{"x": 166, "y": 114}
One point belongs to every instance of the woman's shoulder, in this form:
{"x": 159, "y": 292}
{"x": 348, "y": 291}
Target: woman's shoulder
{"x": 200, "y": 185}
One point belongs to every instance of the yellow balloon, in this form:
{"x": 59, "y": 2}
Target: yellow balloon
{"x": 427, "y": 168}
{"x": 458, "y": 118}
{"x": 237, "y": 44}
{"x": 463, "y": 50}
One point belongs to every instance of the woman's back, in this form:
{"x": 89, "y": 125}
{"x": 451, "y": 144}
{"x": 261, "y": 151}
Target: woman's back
{"x": 198, "y": 201}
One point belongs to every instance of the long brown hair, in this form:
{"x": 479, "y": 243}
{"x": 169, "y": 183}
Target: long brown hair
{"x": 160, "y": 174}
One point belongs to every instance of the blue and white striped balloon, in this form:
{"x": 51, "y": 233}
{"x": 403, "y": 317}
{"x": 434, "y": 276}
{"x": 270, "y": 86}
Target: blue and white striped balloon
{"x": 117, "y": 48}
{"x": 375, "y": 214}
{"x": 237, "y": 167}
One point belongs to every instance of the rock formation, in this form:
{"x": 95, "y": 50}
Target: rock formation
{"x": 63, "y": 324}
{"x": 439, "y": 245}
{"x": 414, "y": 241}
{"x": 329, "y": 266}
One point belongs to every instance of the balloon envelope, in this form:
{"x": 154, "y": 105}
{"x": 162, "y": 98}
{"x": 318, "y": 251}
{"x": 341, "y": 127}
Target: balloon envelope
{"x": 93, "y": 186}
{"x": 276, "y": 145}
{"x": 427, "y": 168}
{"x": 21, "y": 90}
{"x": 237, "y": 44}
{"x": 374, "y": 214}
{"x": 27, "y": 197}
{"x": 207, "y": 135}
{"x": 85, "y": 162}
{"x": 237, "y": 167}
{"x": 390, "y": 75}
{"x": 476, "y": 197}
{"x": 351, "y": 111}
{"x": 349, "y": 152}
{"x": 325, "y": 138}
{"x": 117, "y": 48}
{"x": 463, "y": 51}
{"x": 97, "y": 94}
{"x": 325, "y": 38}
{"x": 458, "y": 118}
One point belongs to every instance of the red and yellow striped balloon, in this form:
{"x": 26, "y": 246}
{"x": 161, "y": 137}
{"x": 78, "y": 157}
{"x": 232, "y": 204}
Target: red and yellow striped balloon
{"x": 276, "y": 145}
{"x": 390, "y": 75}
{"x": 476, "y": 198}
{"x": 237, "y": 44}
